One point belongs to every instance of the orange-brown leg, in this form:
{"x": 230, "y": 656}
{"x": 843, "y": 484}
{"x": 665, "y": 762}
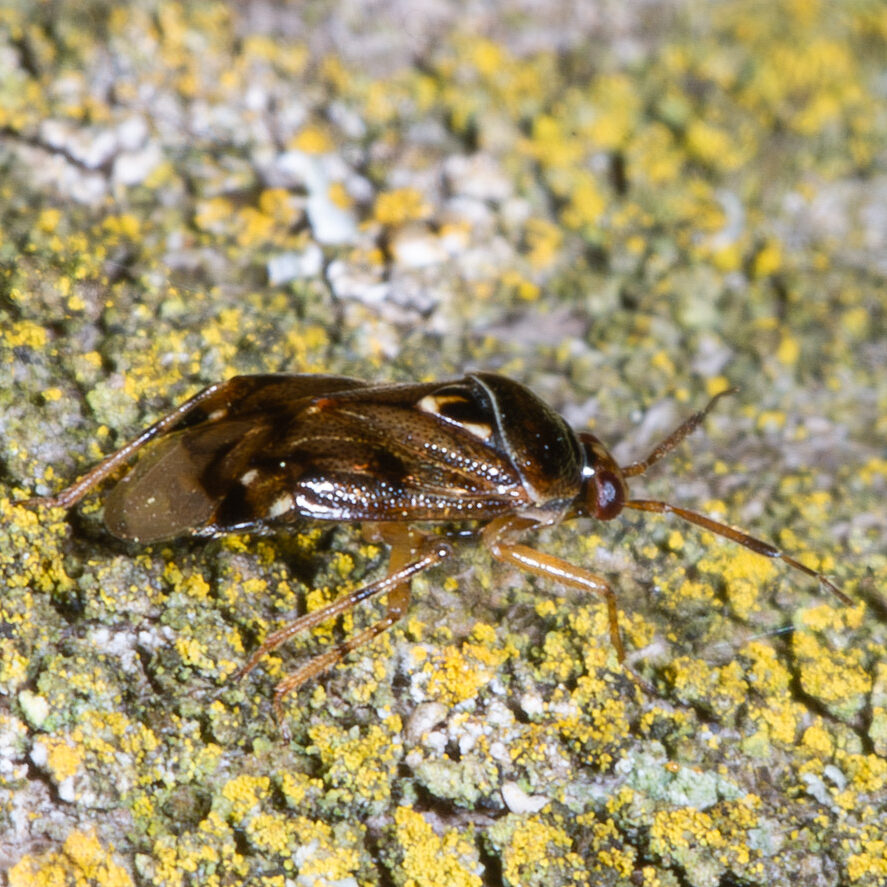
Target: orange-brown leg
{"x": 756, "y": 545}
{"x": 499, "y": 537}
{"x": 411, "y": 553}
{"x": 396, "y": 605}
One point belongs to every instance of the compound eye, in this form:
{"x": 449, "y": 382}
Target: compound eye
{"x": 610, "y": 494}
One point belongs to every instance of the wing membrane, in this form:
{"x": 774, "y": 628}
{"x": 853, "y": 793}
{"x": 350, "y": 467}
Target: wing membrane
{"x": 166, "y": 494}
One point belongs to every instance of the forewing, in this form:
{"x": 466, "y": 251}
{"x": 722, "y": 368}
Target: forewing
{"x": 196, "y": 457}
{"x": 387, "y": 453}
{"x": 254, "y": 397}
{"x": 253, "y": 456}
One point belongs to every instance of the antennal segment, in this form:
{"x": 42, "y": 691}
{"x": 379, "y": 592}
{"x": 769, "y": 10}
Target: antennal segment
{"x": 675, "y": 437}
{"x": 756, "y": 545}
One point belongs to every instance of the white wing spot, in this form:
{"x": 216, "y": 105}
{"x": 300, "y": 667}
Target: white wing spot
{"x": 249, "y": 477}
{"x": 433, "y": 403}
{"x": 481, "y": 431}
{"x": 281, "y": 505}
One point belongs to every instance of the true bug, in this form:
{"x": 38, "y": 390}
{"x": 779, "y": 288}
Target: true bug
{"x": 261, "y": 453}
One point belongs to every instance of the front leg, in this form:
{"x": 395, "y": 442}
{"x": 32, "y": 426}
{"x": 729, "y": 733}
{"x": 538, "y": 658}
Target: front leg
{"x": 499, "y": 536}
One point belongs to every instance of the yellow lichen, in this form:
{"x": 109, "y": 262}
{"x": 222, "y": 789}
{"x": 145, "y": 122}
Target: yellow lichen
{"x": 245, "y": 793}
{"x": 81, "y": 861}
{"x": 358, "y": 768}
{"x": 398, "y": 207}
{"x": 837, "y": 679}
{"x": 430, "y": 860}
{"x": 538, "y": 846}
{"x": 870, "y": 861}
{"x": 458, "y": 673}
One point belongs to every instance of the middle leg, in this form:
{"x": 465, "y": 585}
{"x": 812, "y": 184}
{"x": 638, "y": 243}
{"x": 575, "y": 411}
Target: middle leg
{"x": 499, "y": 537}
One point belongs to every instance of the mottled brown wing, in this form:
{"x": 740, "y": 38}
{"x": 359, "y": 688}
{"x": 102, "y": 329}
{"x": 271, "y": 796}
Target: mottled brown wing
{"x": 380, "y": 454}
{"x": 210, "y": 436}
{"x": 355, "y": 452}
{"x": 246, "y": 397}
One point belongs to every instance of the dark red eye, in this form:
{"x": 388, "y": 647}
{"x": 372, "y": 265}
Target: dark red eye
{"x": 610, "y": 493}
